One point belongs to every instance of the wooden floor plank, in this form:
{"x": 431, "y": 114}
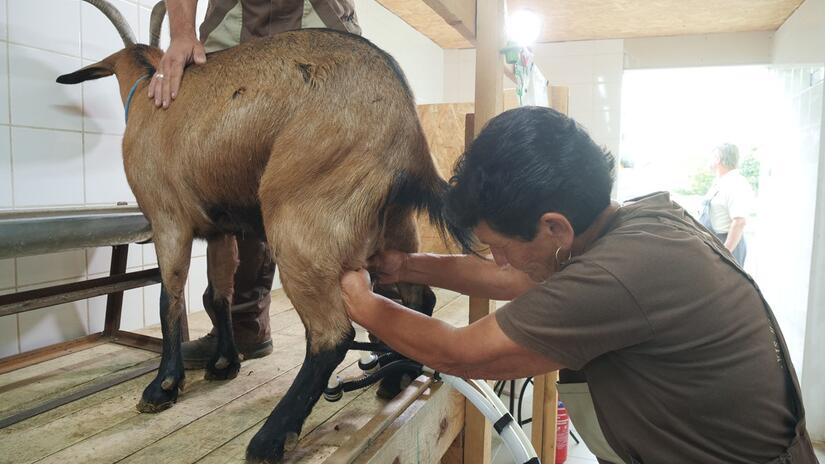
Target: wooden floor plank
{"x": 38, "y": 388}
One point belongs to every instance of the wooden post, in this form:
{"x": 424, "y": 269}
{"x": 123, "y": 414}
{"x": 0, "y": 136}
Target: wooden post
{"x": 545, "y": 395}
{"x": 490, "y": 40}
{"x": 114, "y": 302}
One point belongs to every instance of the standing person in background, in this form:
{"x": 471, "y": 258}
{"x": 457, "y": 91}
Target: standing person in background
{"x": 729, "y": 202}
{"x": 228, "y": 23}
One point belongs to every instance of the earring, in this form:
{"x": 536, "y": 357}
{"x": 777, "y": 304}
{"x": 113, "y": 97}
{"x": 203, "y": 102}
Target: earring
{"x": 569, "y": 255}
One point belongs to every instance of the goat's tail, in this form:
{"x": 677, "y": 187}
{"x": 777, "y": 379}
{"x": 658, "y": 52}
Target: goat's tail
{"x": 427, "y": 192}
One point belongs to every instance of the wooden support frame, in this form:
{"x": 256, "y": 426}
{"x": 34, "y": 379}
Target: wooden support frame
{"x": 490, "y": 39}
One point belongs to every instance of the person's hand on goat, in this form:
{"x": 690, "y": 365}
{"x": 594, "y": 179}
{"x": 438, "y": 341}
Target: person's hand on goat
{"x": 166, "y": 82}
{"x": 357, "y": 291}
{"x": 389, "y": 265}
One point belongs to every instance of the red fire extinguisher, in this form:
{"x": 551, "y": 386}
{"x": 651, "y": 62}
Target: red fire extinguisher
{"x": 562, "y": 432}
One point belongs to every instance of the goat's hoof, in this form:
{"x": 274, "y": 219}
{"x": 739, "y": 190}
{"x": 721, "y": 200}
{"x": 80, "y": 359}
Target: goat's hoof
{"x": 263, "y": 448}
{"x": 161, "y": 394}
{"x": 222, "y": 369}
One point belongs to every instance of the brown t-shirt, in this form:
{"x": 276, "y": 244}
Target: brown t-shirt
{"x": 675, "y": 342}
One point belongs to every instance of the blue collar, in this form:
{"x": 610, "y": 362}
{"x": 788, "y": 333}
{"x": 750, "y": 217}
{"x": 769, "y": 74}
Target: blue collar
{"x": 132, "y": 94}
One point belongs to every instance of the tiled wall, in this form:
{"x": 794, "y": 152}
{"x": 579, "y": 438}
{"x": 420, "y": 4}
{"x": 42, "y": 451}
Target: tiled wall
{"x": 592, "y": 70}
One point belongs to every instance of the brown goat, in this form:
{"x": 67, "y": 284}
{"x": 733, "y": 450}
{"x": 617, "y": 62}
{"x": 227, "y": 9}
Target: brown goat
{"x": 310, "y": 139}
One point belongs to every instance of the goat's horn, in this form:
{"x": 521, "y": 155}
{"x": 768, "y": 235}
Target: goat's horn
{"x": 117, "y": 19}
{"x": 155, "y": 23}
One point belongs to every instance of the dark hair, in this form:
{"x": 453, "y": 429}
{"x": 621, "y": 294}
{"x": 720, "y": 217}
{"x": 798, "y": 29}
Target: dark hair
{"x": 526, "y": 162}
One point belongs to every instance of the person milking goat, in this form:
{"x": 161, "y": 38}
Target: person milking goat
{"x": 250, "y": 148}
{"x": 227, "y": 24}
{"x": 683, "y": 357}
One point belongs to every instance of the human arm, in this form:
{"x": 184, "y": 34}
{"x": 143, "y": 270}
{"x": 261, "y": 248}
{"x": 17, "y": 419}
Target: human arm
{"x": 184, "y": 48}
{"x": 479, "y": 351}
{"x": 467, "y": 274}
{"x": 737, "y": 229}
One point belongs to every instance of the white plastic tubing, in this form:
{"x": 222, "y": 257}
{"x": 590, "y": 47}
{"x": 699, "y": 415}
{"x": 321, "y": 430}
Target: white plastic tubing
{"x": 485, "y": 400}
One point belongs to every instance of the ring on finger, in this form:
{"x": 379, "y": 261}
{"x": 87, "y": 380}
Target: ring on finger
{"x": 159, "y": 75}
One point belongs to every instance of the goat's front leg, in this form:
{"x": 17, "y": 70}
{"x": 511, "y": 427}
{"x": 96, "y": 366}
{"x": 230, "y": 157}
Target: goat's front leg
{"x": 222, "y": 262}
{"x": 174, "y": 248}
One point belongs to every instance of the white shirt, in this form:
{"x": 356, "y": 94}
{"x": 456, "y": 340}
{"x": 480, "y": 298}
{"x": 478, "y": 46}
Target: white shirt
{"x": 732, "y": 197}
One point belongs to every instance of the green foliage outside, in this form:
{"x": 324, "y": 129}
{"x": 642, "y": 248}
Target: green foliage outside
{"x": 702, "y": 178}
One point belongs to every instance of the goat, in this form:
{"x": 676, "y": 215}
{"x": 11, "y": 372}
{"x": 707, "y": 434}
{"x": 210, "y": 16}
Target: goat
{"x": 309, "y": 139}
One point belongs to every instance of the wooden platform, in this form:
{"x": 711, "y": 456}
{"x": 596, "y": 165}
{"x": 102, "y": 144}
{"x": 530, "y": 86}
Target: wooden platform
{"x": 214, "y": 421}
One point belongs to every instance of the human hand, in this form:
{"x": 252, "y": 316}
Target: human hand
{"x": 389, "y": 265}
{"x": 355, "y": 286}
{"x": 165, "y": 84}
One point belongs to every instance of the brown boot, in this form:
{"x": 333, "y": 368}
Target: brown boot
{"x": 250, "y": 308}
{"x": 196, "y": 353}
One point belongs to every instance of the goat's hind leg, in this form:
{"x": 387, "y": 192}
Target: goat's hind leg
{"x": 310, "y": 273}
{"x": 221, "y": 263}
{"x": 174, "y": 249}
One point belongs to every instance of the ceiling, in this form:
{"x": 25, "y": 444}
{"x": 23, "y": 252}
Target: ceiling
{"x": 566, "y": 20}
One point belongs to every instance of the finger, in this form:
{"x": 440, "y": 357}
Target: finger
{"x": 167, "y": 89}
{"x": 199, "y": 54}
{"x": 174, "y": 79}
{"x": 151, "y": 88}
{"x": 159, "y": 85}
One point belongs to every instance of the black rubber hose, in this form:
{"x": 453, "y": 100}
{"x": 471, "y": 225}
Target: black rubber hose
{"x": 527, "y": 381}
{"x": 369, "y": 346}
{"x": 369, "y": 379}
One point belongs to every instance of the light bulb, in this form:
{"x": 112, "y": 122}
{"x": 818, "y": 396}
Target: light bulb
{"x": 523, "y": 27}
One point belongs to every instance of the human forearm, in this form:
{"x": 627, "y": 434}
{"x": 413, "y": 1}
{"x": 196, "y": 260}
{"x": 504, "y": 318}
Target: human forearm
{"x": 425, "y": 339}
{"x": 478, "y": 351}
{"x": 737, "y": 229}
{"x": 466, "y": 274}
{"x": 181, "y": 17}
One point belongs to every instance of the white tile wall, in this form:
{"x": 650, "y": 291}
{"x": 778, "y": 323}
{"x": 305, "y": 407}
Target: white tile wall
{"x": 46, "y": 326}
{"x": 4, "y": 29}
{"x": 34, "y": 270}
{"x": 105, "y": 177}
{"x": 36, "y": 100}
{"x": 6, "y": 199}
{"x": 4, "y": 83}
{"x": 48, "y": 24}
{"x": 7, "y": 276}
{"x": 45, "y": 155}
{"x": 8, "y": 336}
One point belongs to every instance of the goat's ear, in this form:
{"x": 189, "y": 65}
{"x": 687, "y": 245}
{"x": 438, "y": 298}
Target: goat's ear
{"x": 93, "y": 71}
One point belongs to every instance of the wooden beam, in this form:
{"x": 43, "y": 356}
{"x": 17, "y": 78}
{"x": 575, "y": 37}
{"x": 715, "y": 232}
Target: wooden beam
{"x": 143, "y": 342}
{"x": 20, "y": 302}
{"x": 460, "y": 14}
{"x": 423, "y": 433}
{"x": 29, "y": 358}
{"x": 545, "y": 400}
{"x": 488, "y": 103}
{"x": 114, "y": 302}
{"x": 545, "y": 396}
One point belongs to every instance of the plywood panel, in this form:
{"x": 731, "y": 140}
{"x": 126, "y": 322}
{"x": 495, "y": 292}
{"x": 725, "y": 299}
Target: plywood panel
{"x": 444, "y": 126}
{"x": 567, "y": 20}
{"x": 424, "y": 19}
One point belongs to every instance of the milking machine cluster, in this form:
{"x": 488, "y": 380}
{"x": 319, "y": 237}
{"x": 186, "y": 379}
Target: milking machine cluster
{"x": 379, "y": 361}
